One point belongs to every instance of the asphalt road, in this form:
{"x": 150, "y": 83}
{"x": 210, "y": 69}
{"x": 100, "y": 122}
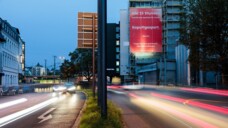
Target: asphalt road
{"x": 154, "y": 107}
{"x": 41, "y": 110}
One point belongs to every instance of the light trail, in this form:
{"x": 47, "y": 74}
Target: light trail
{"x": 117, "y": 92}
{"x": 15, "y": 116}
{"x": 114, "y": 87}
{"x": 208, "y": 91}
{"x": 11, "y": 103}
{"x": 171, "y": 110}
{"x": 193, "y": 103}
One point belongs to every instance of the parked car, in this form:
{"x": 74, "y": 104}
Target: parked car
{"x": 8, "y": 90}
{"x": 1, "y": 91}
{"x": 19, "y": 90}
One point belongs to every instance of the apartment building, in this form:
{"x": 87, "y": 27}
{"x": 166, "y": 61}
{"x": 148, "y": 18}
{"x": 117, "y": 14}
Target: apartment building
{"x": 87, "y": 30}
{"x": 12, "y": 54}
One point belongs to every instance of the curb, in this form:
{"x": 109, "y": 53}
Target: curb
{"x": 77, "y": 122}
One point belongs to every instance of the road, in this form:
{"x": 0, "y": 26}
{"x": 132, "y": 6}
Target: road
{"x": 35, "y": 110}
{"x": 161, "y": 107}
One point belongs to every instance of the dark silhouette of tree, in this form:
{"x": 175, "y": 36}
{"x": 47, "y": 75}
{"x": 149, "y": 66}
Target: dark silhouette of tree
{"x": 204, "y": 31}
{"x": 67, "y": 70}
{"x": 82, "y": 60}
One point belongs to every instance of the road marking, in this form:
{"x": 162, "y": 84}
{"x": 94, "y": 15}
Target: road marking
{"x": 11, "y": 103}
{"x": 43, "y": 118}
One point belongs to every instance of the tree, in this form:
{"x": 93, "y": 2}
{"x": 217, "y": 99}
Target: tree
{"x": 82, "y": 59}
{"x": 204, "y": 31}
{"x": 67, "y": 70}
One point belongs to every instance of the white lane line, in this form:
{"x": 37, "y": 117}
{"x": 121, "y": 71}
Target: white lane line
{"x": 13, "y": 117}
{"x": 11, "y": 103}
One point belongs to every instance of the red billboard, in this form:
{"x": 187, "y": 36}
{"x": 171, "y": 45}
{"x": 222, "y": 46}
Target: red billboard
{"x": 145, "y": 30}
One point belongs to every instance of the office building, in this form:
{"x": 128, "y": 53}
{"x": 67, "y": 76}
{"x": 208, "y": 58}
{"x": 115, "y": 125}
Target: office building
{"x": 126, "y": 68}
{"x": 113, "y": 53}
{"x": 146, "y": 44}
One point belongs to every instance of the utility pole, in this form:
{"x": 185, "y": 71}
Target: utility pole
{"x": 45, "y": 66}
{"x": 93, "y": 56}
{"x": 102, "y": 20}
{"x": 54, "y": 68}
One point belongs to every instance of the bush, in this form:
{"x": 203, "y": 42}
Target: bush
{"x": 91, "y": 117}
{"x": 85, "y": 84}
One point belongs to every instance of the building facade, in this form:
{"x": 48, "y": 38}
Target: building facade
{"x": 38, "y": 70}
{"x": 113, "y": 53}
{"x": 87, "y": 30}
{"x": 168, "y": 67}
{"x": 12, "y": 54}
{"x": 159, "y": 67}
{"x": 125, "y": 65}
{"x": 146, "y": 64}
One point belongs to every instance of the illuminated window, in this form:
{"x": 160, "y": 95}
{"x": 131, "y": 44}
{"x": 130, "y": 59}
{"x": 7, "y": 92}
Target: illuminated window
{"x": 117, "y": 63}
{"x": 117, "y": 42}
{"x": 117, "y": 69}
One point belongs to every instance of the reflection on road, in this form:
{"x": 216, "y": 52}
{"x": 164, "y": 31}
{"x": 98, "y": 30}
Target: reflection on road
{"x": 191, "y": 112}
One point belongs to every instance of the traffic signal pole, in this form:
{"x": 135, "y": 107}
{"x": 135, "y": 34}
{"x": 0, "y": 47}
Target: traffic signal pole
{"x": 102, "y": 88}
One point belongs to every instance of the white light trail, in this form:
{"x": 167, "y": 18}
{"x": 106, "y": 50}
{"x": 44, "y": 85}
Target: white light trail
{"x": 11, "y": 103}
{"x": 13, "y": 117}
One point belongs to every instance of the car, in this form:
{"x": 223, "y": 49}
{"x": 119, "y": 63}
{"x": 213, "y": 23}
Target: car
{"x": 1, "y": 91}
{"x": 59, "y": 88}
{"x": 8, "y": 90}
{"x": 70, "y": 87}
{"x": 20, "y": 90}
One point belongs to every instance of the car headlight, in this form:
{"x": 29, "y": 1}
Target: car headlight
{"x": 61, "y": 88}
{"x": 71, "y": 88}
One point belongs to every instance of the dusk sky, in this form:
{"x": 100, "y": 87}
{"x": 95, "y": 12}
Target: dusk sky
{"x": 48, "y": 27}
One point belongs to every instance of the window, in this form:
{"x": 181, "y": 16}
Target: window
{"x": 117, "y": 36}
{"x": 117, "y": 56}
{"x": 117, "y": 69}
{"x": 117, "y": 29}
{"x": 118, "y": 49}
{"x": 117, "y": 63}
{"x": 117, "y": 42}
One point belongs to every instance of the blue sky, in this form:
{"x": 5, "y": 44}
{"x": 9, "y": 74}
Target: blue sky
{"x": 49, "y": 26}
